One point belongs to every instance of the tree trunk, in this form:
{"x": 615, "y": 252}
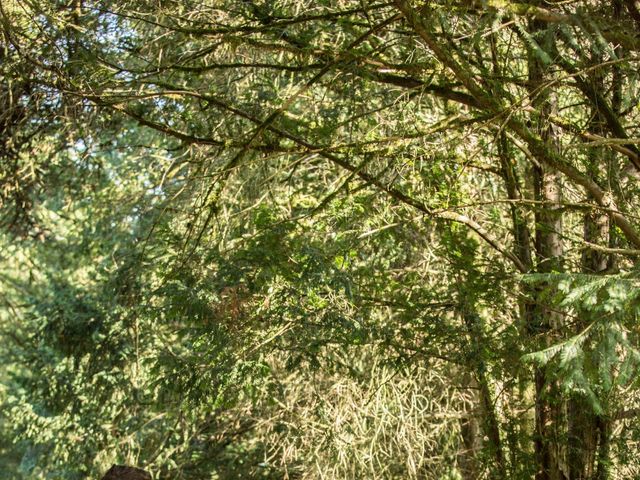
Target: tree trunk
{"x": 549, "y": 250}
{"x": 589, "y": 432}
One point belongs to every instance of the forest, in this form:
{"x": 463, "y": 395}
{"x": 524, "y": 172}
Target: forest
{"x": 320, "y": 239}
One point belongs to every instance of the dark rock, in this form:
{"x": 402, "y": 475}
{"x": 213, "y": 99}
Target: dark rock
{"x": 120, "y": 472}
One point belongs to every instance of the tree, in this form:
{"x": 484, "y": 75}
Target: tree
{"x": 474, "y": 165}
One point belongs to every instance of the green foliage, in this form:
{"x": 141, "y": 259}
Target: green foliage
{"x": 602, "y": 356}
{"x": 313, "y": 239}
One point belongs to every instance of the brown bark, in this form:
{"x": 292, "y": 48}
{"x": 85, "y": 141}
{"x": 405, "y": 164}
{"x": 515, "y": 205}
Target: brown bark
{"x": 589, "y": 432}
{"x": 521, "y": 233}
{"x": 549, "y": 250}
{"x": 604, "y": 447}
{"x": 583, "y": 434}
{"x": 472, "y": 436}
{"x": 120, "y": 472}
{"x": 586, "y": 429}
{"x": 489, "y": 423}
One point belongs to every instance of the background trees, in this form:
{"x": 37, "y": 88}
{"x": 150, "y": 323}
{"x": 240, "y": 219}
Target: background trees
{"x": 308, "y": 239}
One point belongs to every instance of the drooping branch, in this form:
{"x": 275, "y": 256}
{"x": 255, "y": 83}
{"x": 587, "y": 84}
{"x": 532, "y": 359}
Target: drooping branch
{"x": 365, "y": 176}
